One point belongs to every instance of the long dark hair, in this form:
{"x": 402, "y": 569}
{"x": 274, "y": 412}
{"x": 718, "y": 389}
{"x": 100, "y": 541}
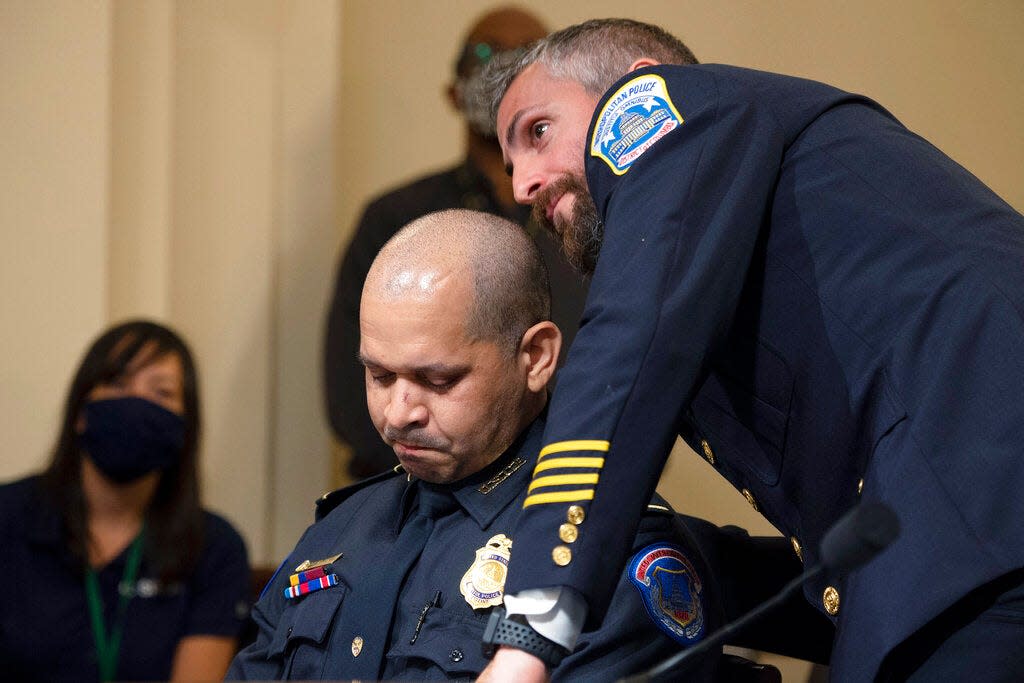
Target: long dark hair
{"x": 174, "y": 518}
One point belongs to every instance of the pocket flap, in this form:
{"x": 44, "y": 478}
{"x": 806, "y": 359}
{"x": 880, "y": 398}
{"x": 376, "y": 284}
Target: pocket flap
{"x": 308, "y": 618}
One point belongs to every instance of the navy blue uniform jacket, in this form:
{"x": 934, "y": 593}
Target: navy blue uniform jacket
{"x": 311, "y": 637}
{"x": 826, "y": 306}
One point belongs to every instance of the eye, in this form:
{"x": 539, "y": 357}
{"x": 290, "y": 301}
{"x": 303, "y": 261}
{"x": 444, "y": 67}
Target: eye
{"x": 441, "y": 384}
{"x": 382, "y": 377}
{"x": 539, "y": 129}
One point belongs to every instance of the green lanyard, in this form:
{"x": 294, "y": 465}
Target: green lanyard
{"x": 107, "y": 647}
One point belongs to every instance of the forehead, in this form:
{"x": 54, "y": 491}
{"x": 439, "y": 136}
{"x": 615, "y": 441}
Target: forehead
{"x": 535, "y": 92}
{"x": 416, "y": 327}
{"x": 148, "y": 361}
{"x": 147, "y": 355}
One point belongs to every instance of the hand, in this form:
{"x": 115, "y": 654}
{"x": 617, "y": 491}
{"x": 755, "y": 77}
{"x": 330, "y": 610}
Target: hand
{"x": 510, "y": 664}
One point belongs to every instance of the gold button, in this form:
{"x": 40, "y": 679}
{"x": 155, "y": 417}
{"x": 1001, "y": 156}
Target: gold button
{"x": 860, "y": 486}
{"x": 575, "y": 515}
{"x": 709, "y": 454}
{"x": 796, "y": 548}
{"x": 750, "y": 499}
{"x": 831, "y": 600}
{"x": 357, "y": 646}
{"x": 568, "y": 532}
{"x": 561, "y": 555}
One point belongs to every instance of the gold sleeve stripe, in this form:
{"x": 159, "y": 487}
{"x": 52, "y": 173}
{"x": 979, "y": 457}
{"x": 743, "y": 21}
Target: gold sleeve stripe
{"x": 584, "y": 445}
{"x": 594, "y": 463}
{"x": 559, "y": 497}
{"x": 560, "y": 479}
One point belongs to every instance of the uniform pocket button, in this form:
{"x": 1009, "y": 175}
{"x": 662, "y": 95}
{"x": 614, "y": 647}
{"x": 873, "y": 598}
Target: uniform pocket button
{"x": 455, "y": 655}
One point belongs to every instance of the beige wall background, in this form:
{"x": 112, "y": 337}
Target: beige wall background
{"x": 203, "y": 162}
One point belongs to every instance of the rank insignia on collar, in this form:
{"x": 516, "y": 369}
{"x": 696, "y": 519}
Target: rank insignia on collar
{"x": 313, "y": 564}
{"x": 670, "y": 588}
{"x": 483, "y": 584}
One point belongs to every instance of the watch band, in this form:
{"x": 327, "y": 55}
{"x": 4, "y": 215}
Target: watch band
{"x": 516, "y": 632}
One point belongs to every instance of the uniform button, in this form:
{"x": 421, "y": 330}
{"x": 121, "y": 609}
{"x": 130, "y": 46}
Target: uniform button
{"x": 830, "y": 599}
{"x": 568, "y": 532}
{"x": 860, "y": 486}
{"x": 289, "y": 631}
{"x": 750, "y": 499}
{"x": 575, "y": 515}
{"x": 357, "y": 646}
{"x": 796, "y": 548}
{"x": 561, "y": 555}
{"x": 709, "y": 454}
{"x": 455, "y": 655}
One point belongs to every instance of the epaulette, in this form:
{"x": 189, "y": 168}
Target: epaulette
{"x": 659, "y": 506}
{"x": 332, "y": 499}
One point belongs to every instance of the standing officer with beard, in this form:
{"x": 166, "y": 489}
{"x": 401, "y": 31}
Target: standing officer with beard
{"x": 819, "y": 301}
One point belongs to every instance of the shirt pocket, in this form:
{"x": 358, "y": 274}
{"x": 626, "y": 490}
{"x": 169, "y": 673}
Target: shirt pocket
{"x": 300, "y": 640}
{"x": 448, "y": 644}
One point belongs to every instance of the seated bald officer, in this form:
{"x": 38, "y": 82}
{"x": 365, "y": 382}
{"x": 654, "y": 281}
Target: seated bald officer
{"x": 400, "y": 573}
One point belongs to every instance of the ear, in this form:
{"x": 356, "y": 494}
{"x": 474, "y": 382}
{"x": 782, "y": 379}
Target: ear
{"x": 642, "y": 62}
{"x": 454, "y": 95}
{"x": 538, "y": 352}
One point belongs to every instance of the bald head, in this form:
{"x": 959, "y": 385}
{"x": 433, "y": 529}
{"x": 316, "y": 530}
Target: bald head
{"x": 489, "y": 260}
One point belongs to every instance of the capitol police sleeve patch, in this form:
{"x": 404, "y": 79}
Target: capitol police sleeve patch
{"x": 671, "y": 591}
{"x": 638, "y": 115}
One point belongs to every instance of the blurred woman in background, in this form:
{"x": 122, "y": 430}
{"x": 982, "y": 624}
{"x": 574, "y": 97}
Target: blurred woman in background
{"x": 110, "y": 567}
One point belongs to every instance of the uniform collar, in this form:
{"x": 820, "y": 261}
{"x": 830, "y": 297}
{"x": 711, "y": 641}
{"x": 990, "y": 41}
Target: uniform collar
{"x": 485, "y": 494}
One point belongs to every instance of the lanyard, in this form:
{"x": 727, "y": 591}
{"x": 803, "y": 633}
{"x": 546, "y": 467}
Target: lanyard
{"x": 107, "y": 646}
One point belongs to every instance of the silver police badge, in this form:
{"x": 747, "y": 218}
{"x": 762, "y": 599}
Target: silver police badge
{"x": 483, "y": 584}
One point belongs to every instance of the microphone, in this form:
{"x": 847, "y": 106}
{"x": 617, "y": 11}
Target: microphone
{"x": 855, "y": 539}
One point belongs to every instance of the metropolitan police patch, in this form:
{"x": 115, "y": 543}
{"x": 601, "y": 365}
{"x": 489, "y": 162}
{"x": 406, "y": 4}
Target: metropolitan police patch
{"x": 670, "y": 588}
{"x": 639, "y": 114}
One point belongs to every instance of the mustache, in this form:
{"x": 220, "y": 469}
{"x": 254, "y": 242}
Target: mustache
{"x": 413, "y": 437}
{"x": 561, "y": 185}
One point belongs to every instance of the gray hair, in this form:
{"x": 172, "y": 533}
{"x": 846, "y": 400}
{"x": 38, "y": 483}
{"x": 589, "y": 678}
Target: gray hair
{"x": 594, "y": 54}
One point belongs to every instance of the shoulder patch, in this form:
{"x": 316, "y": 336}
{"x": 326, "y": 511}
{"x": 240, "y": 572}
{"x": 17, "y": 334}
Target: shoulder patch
{"x": 671, "y": 591}
{"x": 638, "y": 115}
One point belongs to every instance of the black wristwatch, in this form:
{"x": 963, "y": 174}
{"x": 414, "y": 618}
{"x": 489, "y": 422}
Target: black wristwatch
{"x": 516, "y": 632}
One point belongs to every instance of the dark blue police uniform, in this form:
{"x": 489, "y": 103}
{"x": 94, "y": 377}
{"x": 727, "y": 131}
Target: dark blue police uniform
{"x": 424, "y": 626}
{"x": 826, "y": 307}
{"x": 45, "y": 633}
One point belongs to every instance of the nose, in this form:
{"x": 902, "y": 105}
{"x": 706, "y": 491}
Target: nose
{"x": 527, "y": 182}
{"x": 405, "y": 407}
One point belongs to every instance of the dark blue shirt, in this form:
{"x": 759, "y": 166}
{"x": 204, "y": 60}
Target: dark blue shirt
{"x": 45, "y": 632}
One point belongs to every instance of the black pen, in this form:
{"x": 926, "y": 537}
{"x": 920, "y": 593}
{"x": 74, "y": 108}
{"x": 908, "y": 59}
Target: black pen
{"x": 435, "y": 602}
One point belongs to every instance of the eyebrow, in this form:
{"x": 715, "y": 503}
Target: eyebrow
{"x": 430, "y": 368}
{"x": 510, "y": 132}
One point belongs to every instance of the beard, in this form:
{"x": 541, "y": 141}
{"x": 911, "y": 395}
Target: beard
{"x": 583, "y": 233}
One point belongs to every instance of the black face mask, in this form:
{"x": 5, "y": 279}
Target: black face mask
{"x": 129, "y": 437}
